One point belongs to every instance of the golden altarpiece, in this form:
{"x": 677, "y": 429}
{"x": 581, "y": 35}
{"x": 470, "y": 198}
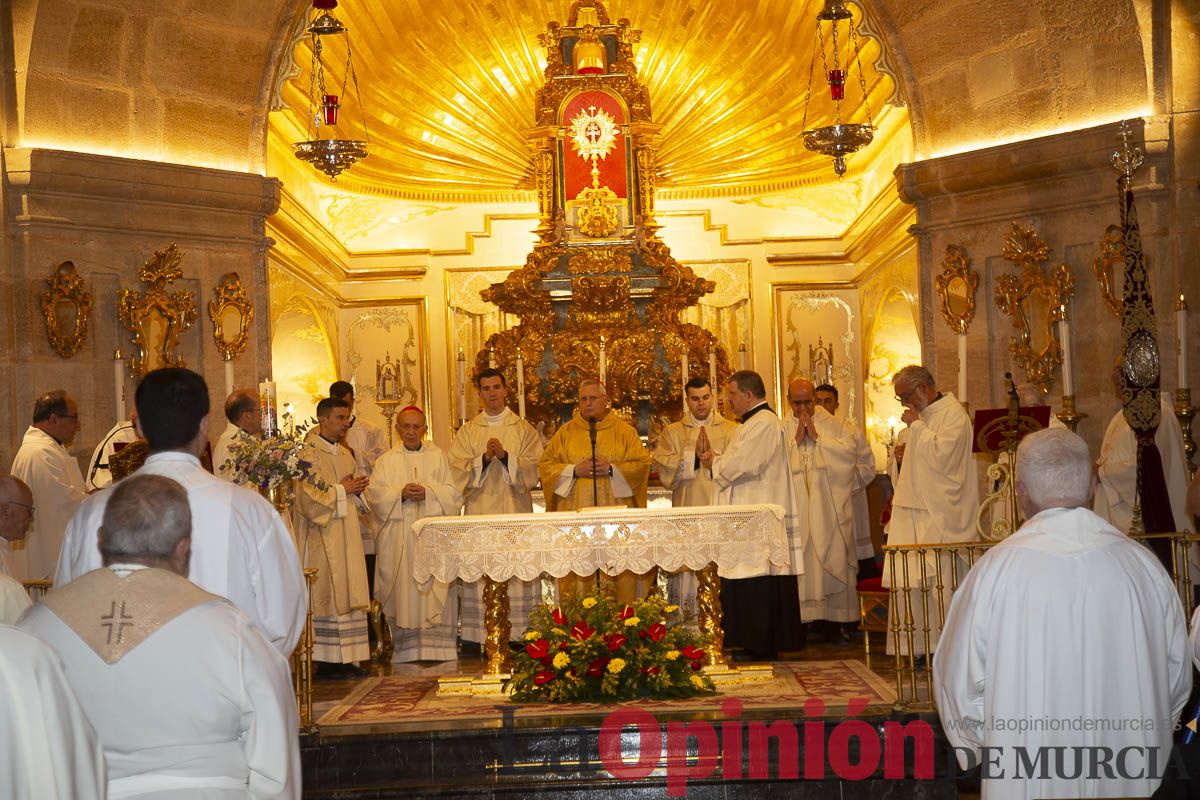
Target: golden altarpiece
{"x": 600, "y": 293}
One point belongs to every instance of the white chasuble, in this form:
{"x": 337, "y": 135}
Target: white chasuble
{"x": 690, "y": 481}
{"x": 936, "y": 502}
{"x": 53, "y": 476}
{"x": 241, "y": 548}
{"x": 13, "y": 600}
{"x": 824, "y": 473}
{"x": 754, "y": 469}
{"x": 328, "y": 538}
{"x": 1067, "y": 634}
{"x": 498, "y": 487}
{"x": 48, "y": 749}
{"x": 424, "y": 618}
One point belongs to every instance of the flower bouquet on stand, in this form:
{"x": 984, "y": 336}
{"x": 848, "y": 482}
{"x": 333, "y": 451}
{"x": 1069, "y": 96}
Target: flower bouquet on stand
{"x": 592, "y": 649}
{"x": 270, "y": 465}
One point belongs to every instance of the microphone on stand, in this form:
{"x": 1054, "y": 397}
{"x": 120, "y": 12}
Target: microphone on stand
{"x": 592, "y": 437}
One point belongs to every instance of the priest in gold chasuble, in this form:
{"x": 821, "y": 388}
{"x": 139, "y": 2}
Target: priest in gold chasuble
{"x": 618, "y": 476}
{"x": 328, "y": 538}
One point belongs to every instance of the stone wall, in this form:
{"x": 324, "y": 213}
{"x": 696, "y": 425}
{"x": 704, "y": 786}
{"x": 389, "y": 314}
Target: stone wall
{"x": 108, "y": 216}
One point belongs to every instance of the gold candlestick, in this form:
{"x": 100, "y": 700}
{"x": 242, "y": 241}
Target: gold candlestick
{"x": 1069, "y": 416}
{"x": 1184, "y": 411}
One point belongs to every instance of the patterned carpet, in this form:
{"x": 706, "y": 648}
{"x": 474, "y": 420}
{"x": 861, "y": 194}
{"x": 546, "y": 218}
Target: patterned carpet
{"x": 386, "y": 700}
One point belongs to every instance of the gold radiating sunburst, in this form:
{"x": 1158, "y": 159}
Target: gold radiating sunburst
{"x": 449, "y": 91}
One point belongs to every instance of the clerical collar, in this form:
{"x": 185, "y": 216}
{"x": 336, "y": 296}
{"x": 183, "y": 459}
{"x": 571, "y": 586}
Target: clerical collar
{"x": 696, "y": 423}
{"x": 496, "y": 420}
{"x": 420, "y": 447}
{"x": 760, "y": 407}
{"x": 51, "y": 435}
{"x": 330, "y": 441}
{"x": 123, "y": 570}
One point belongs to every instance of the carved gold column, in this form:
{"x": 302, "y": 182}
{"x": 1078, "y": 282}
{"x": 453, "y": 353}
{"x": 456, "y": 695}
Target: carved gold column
{"x": 543, "y": 175}
{"x": 497, "y": 627}
{"x": 708, "y": 608}
{"x": 1185, "y": 412}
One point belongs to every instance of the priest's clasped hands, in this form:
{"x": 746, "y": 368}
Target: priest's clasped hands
{"x": 806, "y": 428}
{"x": 704, "y": 450}
{"x": 354, "y": 485}
{"x": 588, "y": 468}
{"x": 494, "y": 450}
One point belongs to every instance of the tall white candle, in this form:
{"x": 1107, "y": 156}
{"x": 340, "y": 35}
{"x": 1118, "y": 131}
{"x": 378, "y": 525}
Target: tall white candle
{"x": 119, "y": 384}
{"x": 1181, "y": 328}
{"x": 603, "y": 362}
{"x": 683, "y": 374}
{"x": 520, "y": 385}
{"x": 743, "y": 357}
{"x": 270, "y": 411}
{"x": 712, "y": 368}
{"x": 228, "y": 376}
{"x": 1064, "y": 334}
{"x": 461, "y": 389}
{"x": 962, "y": 367}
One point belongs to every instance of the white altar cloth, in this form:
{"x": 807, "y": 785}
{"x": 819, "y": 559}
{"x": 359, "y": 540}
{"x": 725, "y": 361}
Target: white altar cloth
{"x": 743, "y": 541}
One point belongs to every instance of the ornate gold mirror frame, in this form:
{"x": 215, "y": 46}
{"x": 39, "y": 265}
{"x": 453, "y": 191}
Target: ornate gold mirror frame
{"x": 231, "y": 295}
{"x": 1035, "y": 348}
{"x": 1109, "y": 267}
{"x": 956, "y": 285}
{"x": 66, "y": 288}
{"x": 174, "y": 313}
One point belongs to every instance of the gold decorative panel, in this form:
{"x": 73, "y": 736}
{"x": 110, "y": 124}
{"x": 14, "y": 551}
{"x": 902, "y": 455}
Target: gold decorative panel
{"x": 726, "y": 311}
{"x": 1109, "y": 268}
{"x": 471, "y": 321}
{"x": 956, "y": 285}
{"x": 1035, "y": 299}
{"x": 806, "y": 318}
{"x": 390, "y": 329}
{"x": 304, "y": 344}
{"x": 231, "y": 312}
{"x": 156, "y": 318}
{"x": 67, "y": 305}
{"x": 447, "y": 114}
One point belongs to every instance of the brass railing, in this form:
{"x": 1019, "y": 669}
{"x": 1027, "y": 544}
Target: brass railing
{"x": 37, "y": 589}
{"x": 923, "y": 579}
{"x": 302, "y": 662}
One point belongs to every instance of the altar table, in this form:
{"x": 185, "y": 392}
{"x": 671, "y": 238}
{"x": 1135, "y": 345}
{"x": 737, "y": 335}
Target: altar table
{"x": 714, "y": 541}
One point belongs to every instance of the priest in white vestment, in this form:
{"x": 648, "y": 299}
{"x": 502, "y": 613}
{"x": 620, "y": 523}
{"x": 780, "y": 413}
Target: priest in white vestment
{"x": 762, "y": 615}
{"x": 1117, "y": 468}
{"x": 677, "y": 457}
{"x": 412, "y": 481}
{"x": 16, "y": 514}
{"x": 48, "y": 749}
{"x": 53, "y": 475}
{"x": 1066, "y": 635}
{"x": 245, "y": 422}
{"x": 187, "y": 697}
{"x": 242, "y": 549}
{"x": 494, "y": 460}
{"x": 824, "y": 461}
{"x": 367, "y": 442}
{"x": 618, "y": 476}
{"x": 99, "y": 475}
{"x": 329, "y": 540}
{"x": 936, "y": 502}
{"x": 827, "y": 397}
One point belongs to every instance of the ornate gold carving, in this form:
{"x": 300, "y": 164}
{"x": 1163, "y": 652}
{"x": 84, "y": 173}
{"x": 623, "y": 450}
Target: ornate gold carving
{"x": 128, "y": 459}
{"x": 231, "y": 297}
{"x": 606, "y": 259}
{"x": 956, "y": 285}
{"x": 597, "y": 215}
{"x": 1035, "y": 301}
{"x": 1108, "y": 265}
{"x": 156, "y": 318}
{"x": 497, "y": 626}
{"x": 66, "y": 304}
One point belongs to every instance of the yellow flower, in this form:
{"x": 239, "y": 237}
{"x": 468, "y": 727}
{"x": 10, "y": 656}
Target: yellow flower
{"x": 629, "y": 623}
{"x": 561, "y": 659}
{"x": 588, "y": 602}
{"x": 558, "y": 631}
{"x": 672, "y": 655}
{"x": 616, "y": 665}
{"x": 671, "y": 609}
{"x": 532, "y": 635}
{"x": 697, "y": 681}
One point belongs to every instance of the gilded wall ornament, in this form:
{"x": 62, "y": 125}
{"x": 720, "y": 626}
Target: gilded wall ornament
{"x": 956, "y": 285}
{"x": 67, "y": 305}
{"x": 1035, "y": 300}
{"x": 231, "y": 313}
{"x": 155, "y": 317}
{"x": 1109, "y": 265}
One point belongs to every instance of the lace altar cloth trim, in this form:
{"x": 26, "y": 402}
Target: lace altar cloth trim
{"x": 743, "y": 541}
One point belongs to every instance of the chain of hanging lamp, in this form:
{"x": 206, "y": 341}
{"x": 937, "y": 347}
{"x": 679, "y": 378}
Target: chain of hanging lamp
{"x": 839, "y": 139}
{"x": 331, "y": 155}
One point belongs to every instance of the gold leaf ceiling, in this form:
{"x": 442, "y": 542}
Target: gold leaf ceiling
{"x": 448, "y": 89}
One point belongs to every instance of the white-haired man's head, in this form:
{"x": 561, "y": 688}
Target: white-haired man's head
{"x": 1054, "y": 470}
